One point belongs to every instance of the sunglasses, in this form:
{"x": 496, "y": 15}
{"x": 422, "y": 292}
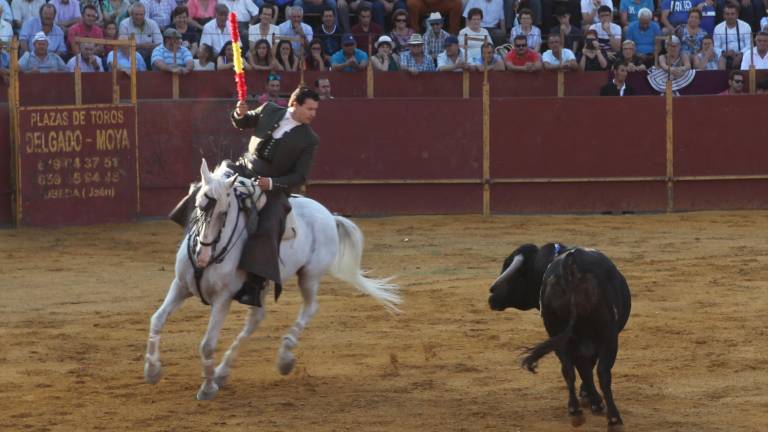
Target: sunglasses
{"x": 521, "y": 46}
{"x": 738, "y": 81}
{"x": 400, "y": 20}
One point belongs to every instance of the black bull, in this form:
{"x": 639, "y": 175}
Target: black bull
{"x": 584, "y": 302}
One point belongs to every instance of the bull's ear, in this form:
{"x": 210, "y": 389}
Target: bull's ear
{"x": 205, "y": 173}
{"x": 232, "y": 181}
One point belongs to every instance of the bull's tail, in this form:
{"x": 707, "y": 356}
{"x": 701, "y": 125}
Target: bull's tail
{"x": 535, "y": 353}
{"x": 347, "y": 267}
{"x": 557, "y": 342}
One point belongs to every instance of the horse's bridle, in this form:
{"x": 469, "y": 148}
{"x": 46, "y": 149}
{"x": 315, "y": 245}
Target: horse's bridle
{"x": 206, "y": 213}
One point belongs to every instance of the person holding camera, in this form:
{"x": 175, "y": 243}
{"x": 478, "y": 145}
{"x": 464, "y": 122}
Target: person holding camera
{"x": 592, "y": 57}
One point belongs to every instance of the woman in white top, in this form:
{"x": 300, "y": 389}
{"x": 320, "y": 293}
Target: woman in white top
{"x": 204, "y": 60}
{"x": 526, "y": 28}
{"x": 264, "y": 29}
{"x": 474, "y": 19}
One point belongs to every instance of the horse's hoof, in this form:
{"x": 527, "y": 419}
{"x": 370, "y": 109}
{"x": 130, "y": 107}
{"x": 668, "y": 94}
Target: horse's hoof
{"x": 597, "y": 409}
{"x": 152, "y": 373}
{"x": 286, "y": 362}
{"x": 616, "y": 427}
{"x": 221, "y": 380}
{"x": 207, "y": 393}
{"x": 577, "y": 419}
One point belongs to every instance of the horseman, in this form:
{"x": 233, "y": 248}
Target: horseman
{"x": 279, "y": 158}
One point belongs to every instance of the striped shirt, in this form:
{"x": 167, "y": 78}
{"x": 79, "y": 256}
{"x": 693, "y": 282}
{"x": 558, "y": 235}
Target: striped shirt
{"x": 159, "y": 11}
{"x": 162, "y": 53}
{"x": 408, "y": 62}
{"x": 434, "y": 44}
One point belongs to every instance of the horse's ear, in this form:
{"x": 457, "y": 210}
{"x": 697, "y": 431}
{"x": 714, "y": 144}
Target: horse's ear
{"x": 205, "y": 173}
{"x": 232, "y": 181}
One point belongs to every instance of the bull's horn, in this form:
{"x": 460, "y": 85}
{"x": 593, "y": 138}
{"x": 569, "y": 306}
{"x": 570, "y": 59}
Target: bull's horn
{"x": 517, "y": 262}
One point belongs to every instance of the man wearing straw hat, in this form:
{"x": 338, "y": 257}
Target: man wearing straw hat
{"x": 415, "y": 60}
{"x": 434, "y": 37}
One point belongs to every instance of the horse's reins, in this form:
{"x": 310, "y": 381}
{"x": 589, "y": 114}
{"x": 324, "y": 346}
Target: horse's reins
{"x": 194, "y": 238}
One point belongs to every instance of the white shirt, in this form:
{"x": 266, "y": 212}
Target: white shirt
{"x": 565, "y": 54}
{"x": 215, "y": 37}
{"x": 254, "y": 33}
{"x": 23, "y": 10}
{"x": 286, "y": 29}
{"x": 623, "y": 87}
{"x": 7, "y": 11}
{"x": 760, "y": 62}
{"x": 245, "y": 9}
{"x": 473, "y": 46}
{"x": 286, "y": 124}
{"x": 735, "y": 38}
{"x": 588, "y": 7}
{"x": 84, "y": 67}
{"x": 211, "y": 66}
{"x": 6, "y": 31}
{"x": 493, "y": 11}
{"x": 444, "y": 60}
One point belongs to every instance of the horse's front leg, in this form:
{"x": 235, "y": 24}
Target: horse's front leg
{"x": 255, "y": 316}
{"x": 219, "y": 311}
{"x": 308, "y": 284}
{"x": 175, "y": 297}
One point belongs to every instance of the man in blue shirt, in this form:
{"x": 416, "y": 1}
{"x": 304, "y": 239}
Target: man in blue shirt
{"x": 170, "y": 56}
{"x": 40, "y": 59}
{"x": 45, "y": 24}
{"x": 349, "y": 58}
{"x": 643, "y": 33}
{"x": 630, "y": 8}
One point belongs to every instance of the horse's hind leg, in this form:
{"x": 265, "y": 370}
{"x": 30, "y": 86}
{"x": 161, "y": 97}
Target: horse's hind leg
{"x": 255, "y": 316}
{"x": 308, "y": 284}
{"x": 175, "y": 297}
{"x": 219, "y": 311}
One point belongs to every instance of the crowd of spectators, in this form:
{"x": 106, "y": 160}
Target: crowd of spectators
{"x": 182, "y": 36}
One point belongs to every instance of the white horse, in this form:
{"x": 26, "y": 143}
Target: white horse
{"x": 207, "y": 260}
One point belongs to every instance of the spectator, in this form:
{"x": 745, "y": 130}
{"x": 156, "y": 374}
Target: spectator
{"x": 434, "y": 38}
{"x": 294, "y": 27}
{"x": 329, "y": 33}
{"x": 110, "y": 32}
{"x": 557, "y": 57}
{"x": 708, "y": 15}
{"x": 40, "y": 59}
{"x": 691, "y": 34}
{"x": 6, "y": 28}
{"x": 452, "y": 8}
{"x": 23, "y": 10}
{"x": 160, "y": 11}
{"x": 264, "y": 30}
{"x": 216, "y": 31}
{"x": 707, "y": 58}
{"x": 315, "y": 60}
{"x": 245, "y": 10}
{"x": 735, "y": 84}
{"x": 414, "y": 60}
{"x": 287, "y": 59}
{"x": 85, "y": 28}
{"x": 146, "y": 30}
{"x": 592, "y": 56}
{"x": 608, "y": 33}
{"x": 190, "y": 36}
{"x": 317, "y": 7}
{"x": 226, "y": 58}
{"x": 323, "y": 88}
{"x": 67, "y": 12}
{"x": 273, "y": 92}
{"x": 203, "y": 11}
{"x": 124, "y": 58}
{"x": 628, "y": 55}
{"x": 382, "y": 8}
{"x": 349, "y": 58}
{"x": 453, "y": 58}
{"x": 114, "y": 10}
{"x": 630, "y": 8}
{"x": 643, "y": 33}
{"x": 6, "y": 12}
{"x": 522, "y": 58}
{"x": 475, "y": 30}
{"x": 732, "y": 36}
{"x": 589, "y": 11}
{"x": 526, "y": 28}
{"x": 573, "y": 35}
{"x": 493, "y": 18}
{"x": 365, "y": 31}
{"x": 384, "y": 60}
{"x": 342, "y": 11}
{"x": 204, "y": 60}
{"x": 675, "y": 12}
{"x": 171, "y": 56}
{"x": 401, "y": 33}
{"x": 89, "y": 62}
{"x": 618, "y": 85}
{"x": 260, "y": 56}
{"x": 758, "y": 55}
{"x": 676, "y": 62}
{"x": 45, "y": 24}
{"x": 488, "y": 60}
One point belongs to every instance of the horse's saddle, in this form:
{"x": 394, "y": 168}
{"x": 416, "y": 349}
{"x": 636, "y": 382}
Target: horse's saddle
{"x": 248, "y": 194}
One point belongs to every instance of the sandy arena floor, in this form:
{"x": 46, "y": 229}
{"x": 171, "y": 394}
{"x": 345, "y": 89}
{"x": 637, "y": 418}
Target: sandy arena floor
{"x": 75, "y": 305}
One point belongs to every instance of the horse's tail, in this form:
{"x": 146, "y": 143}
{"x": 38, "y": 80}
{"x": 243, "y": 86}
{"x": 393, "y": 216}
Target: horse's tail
{"x": 347, "y": 266}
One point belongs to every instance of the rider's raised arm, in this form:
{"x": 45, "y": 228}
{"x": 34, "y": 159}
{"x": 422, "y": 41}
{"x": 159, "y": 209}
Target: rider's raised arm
{"x": 249, "y": 120}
